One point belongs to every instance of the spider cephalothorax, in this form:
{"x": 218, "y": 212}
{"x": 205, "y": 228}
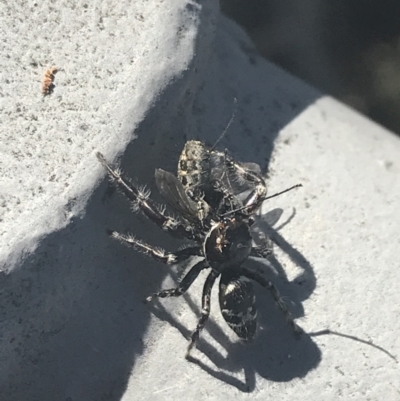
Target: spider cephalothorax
{"x": 215, "y": 213}
{"x": 227, "y": 244}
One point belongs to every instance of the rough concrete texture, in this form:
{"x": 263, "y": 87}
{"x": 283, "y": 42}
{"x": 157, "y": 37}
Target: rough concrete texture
{"x": 113, "y": 60}
{"x": 72, "y": 323}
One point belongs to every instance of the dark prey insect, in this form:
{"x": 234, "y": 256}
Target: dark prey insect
{"x": 216, "y": 215}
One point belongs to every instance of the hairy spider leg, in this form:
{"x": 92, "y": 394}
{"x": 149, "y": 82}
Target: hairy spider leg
{"x": 184, "y": 285}
{"x": 140, "y": 199}
{"x": 261, "y": 200}
{"x": 243, "y": 174}
{"x": 157, "y": 253}
{"x": 205, "y": 310}
{"x": 228, "y": 200}
{"x": 275, "y": 295}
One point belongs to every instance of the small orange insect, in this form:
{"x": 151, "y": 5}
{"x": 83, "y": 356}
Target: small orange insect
{"x": 47, "y": 82}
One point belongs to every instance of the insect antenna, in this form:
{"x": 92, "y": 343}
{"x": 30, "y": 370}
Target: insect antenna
{"x": 263, "y": 199}
{"x": 228, "y": 125}
{"x": 280, "y": 193}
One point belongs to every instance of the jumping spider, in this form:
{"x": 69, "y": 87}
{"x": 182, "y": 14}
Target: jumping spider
{"x": 216, "y": 217}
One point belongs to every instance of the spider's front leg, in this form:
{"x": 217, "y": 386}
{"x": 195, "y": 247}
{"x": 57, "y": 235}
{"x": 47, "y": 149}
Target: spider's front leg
{"x": 249, "y": 176}
{"x": 227, "y": 200}
{"x": 205, "y": 310}
{"x": 140, "y": 198}
{"x": 275, "y": 295}
{"x": 243, "y": 172}
{"x": 157, "y": 253}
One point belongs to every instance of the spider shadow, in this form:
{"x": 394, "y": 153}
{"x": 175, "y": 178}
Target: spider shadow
{"x": 275, "y": 354}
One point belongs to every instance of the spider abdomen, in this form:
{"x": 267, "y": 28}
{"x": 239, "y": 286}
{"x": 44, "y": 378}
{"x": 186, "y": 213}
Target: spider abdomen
{"x": 238, "y": 304}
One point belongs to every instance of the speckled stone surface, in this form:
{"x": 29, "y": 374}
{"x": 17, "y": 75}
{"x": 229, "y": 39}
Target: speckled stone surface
{"x": 72, "y": 322}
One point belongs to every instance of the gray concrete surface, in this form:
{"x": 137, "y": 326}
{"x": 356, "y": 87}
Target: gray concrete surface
{"x": 72, "y": 324}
